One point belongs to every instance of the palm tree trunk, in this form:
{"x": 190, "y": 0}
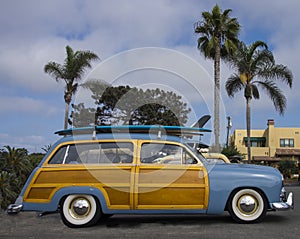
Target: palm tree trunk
{"x": 66, "y": 115}
{"x": 248, "y": 119}
{"x": 68, "y": 98}
{"x": 217, "y": 98}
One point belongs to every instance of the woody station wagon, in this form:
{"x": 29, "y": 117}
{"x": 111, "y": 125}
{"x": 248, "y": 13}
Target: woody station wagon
{"x": 94, "y": 172}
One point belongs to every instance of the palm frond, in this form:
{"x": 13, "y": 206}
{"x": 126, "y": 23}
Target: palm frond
{"x": 55, "y": 70}
{"x": 255, "y": 92}
{"x": 256, "y": 45}
{"x": 275, "y": 94}
{"x": 262, "y": 59}
{"x": 278, "y": 72}
{"x": 233, "y": 85}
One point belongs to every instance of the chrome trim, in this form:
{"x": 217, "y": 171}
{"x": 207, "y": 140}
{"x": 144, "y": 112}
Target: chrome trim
{"x": 283, "y": 197}
{"x": 14, "y": 208}
{"x": 289, "y": 204}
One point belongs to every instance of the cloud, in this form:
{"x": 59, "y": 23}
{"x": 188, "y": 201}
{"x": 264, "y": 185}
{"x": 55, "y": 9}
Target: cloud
{"x": 34, "y": 32}
{"x": 32, "y": 143}
{"x": 26, "y": 105}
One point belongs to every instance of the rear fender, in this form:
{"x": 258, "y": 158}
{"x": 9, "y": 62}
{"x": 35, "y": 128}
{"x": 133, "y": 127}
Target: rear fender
{"x": 63, "y": 192}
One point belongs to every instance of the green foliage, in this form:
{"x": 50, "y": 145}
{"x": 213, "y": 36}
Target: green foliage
{"x": 126, "y": 105}
{"x": 7, "y": 188}
{"x": 230, "y": 151}
{"x": 287, "y": 168}
{"x": 256, "y": 67}
{"x": 217, "y": 31}
{"x": 35, "y": 159}
{"x": 15, "y": 166}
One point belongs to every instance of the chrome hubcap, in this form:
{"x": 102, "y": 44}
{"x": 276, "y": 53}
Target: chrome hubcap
{"x": 80, "y": 207}
{"x": 247, "y": 204}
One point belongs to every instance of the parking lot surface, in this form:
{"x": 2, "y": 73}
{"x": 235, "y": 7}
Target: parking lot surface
{"x": 284, "y": 224}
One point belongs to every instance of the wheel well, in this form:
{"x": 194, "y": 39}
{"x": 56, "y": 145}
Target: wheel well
{"x": 233, "y": 192}
{"x": 62, "y": 200}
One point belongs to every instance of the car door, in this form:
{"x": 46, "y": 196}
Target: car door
{"x": 168, "y": 177}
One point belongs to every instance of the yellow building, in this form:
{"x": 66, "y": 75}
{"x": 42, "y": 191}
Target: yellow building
{"x": 269, "y": 145}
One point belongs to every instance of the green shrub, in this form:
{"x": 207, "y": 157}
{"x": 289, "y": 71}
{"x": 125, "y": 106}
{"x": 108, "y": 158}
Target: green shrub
{"x": 287, "y": 168}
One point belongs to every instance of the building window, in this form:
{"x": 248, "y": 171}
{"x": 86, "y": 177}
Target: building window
{"x": 287, "y": 143}
{"x": 256, "y": 141}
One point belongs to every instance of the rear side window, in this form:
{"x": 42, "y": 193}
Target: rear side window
{"x": 94, "y": 153}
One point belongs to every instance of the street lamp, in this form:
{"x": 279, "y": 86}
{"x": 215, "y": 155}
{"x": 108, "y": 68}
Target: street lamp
{"x": 229, "y": 125}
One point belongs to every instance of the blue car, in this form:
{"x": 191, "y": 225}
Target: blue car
{"x": 94, "y": 172}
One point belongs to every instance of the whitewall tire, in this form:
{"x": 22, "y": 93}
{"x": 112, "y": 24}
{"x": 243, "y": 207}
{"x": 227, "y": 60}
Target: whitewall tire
{"x": 247, "y": 206}
{"x": 80, "y": 210}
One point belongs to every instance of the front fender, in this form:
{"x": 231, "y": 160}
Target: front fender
{"x": 224, "y": 179}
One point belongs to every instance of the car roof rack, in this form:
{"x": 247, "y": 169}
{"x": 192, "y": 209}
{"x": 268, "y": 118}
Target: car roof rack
{"x": 143, "y": 129}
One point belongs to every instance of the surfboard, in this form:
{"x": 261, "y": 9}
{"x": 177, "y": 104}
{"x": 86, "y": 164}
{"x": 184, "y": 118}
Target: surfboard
{"x": 143, "y": 129}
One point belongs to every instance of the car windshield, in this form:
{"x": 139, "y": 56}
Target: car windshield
{"x": 193, "y": 147}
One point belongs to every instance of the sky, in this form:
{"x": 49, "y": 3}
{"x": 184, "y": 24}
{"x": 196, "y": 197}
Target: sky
{"x": 141, "y": 43}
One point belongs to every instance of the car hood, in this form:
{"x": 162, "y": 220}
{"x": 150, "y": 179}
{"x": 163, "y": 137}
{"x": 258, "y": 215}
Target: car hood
{"x": 244, "y": 169}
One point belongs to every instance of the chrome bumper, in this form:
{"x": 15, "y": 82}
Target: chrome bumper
{"x": 289, "y": 204}
{"x": 14, "y": 208}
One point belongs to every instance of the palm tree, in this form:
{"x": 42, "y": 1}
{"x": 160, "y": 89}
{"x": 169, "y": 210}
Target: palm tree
{"x": 7, "y": 191}
{"x": 218, "y": 36}
{"x": 47, "y": 148}
{"x": 16, "y": 162}
{"x": 71, "y": 72}
{"x": 14, "y": 170}
{"x": 256, "y": 67}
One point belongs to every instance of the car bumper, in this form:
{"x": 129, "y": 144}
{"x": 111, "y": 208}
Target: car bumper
{"x": 14, "y": 208}
{"x": 289, "y": 204}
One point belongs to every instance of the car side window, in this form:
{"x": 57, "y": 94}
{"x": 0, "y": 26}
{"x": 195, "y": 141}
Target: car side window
{"x": 58, "y": 157}
{"x": 94, "y": 153}
{"x": 159, "y": 153}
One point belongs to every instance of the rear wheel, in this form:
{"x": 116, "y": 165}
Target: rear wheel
{"x": 80, "y": 210}
{"x": 247, "y": 206}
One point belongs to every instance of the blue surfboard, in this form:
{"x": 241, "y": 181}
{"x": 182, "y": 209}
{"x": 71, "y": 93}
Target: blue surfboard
{"x": 143, "y": 129}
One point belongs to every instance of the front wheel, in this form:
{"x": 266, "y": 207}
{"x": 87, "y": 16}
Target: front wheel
{"x": 247, "y": 206}
{"x": 80, "y": 211}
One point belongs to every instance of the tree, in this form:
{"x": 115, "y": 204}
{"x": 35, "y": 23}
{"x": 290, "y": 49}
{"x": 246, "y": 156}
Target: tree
{"x": 126, "y": 105}
{"x": 82, "y": 116}
{"x": 218, "y": 37}
{"x": 46, "y": 148}
{"x": 7, "y": 191}
{"x": 15, "y": 168}
{"x": 71, "y": 72}
{"x": 230, "y": 151}
{"x": 255, "y": 66}
{"x": 35, "y": 159}
{"x": 16, "y": 162}
{"x": 287, "y": 168}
